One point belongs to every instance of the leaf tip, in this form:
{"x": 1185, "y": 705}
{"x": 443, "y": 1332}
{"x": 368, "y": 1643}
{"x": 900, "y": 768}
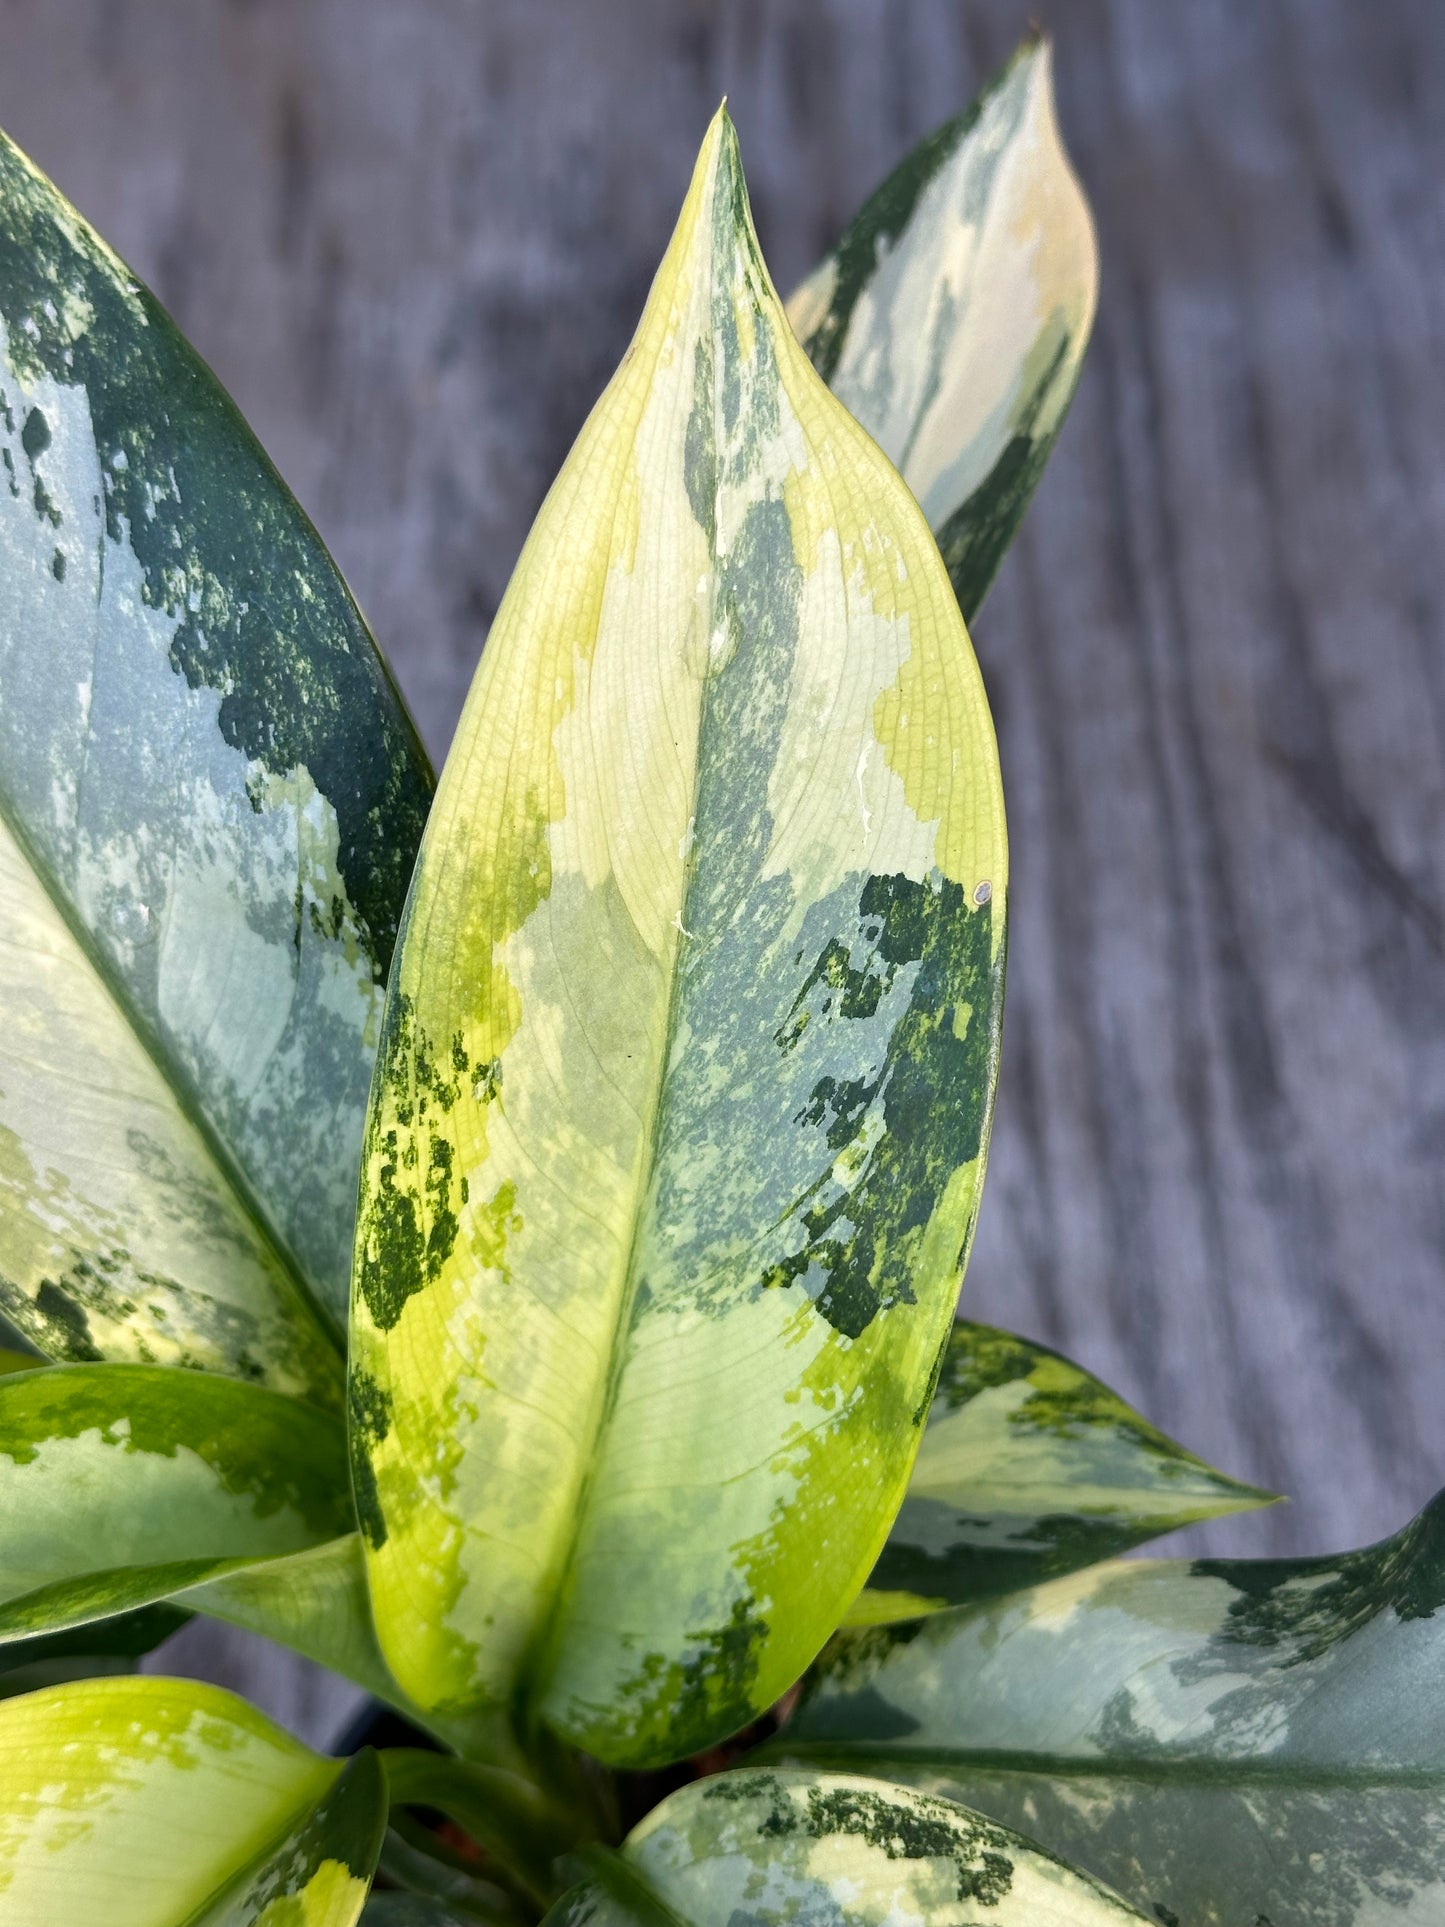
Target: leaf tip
{"x": 720, "y": 149}
{"x": 1255, "y": 1498}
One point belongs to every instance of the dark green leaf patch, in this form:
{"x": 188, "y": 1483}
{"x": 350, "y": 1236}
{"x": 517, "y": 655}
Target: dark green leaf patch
{"x": 932, "y": 1085}
{"x": 408, "y": 1224}
{"x": 880, "y": 221}
{"x": 368, "y": 1423}
{"x": 888, "y": 999}
{"x": 1293, "y": 1611}
{"x": 922, "y": 1830}
{"x": 975, "y": 537}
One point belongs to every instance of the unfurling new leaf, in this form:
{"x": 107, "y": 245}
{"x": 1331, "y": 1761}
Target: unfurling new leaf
{"x": 953, "y": 315}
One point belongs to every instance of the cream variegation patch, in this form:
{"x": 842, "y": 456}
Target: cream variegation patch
{"x": 995, "y": 263}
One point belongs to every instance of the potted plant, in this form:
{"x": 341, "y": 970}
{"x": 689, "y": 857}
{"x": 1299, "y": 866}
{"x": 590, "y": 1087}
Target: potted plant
{"x": 504, "y": 1243}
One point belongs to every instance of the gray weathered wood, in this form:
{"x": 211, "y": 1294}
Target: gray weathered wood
{"x": 413, "y": 239}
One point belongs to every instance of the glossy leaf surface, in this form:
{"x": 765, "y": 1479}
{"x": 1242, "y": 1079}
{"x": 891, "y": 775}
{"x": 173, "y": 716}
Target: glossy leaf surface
{"x": 121, "y": 1483}
{"x": 1222, "y": 1741}
{"x": 210, "y": 797}
{"x": 774, "y": 1848}
{"x": 952, "y": 317}
{"x": 1030, "y": 1468}
{"x": 166, "y": 1803}
{"x": 682, "y": 1105}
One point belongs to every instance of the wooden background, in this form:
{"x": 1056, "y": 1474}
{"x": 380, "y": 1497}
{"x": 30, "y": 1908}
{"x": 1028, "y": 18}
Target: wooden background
{"x": 413, "y": 237}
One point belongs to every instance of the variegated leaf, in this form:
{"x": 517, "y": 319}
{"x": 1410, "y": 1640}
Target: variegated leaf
{"x": 313, "y": 1601}
{"x": 210, "y": 797}
{"x": 120, "y": 1484}
{"x": 832, "y": 1850}
{"x": 1030, "y": 1468}
{"x": 1225, "y": 1742}
{"x": 682, "y": 1105}
{"x": 166, "y": 1803}
{"x": 953, "y": 315}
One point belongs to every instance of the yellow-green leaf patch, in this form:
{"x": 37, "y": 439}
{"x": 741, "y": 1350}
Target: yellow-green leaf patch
{"x": 166, "y": 1803}
{"x": 318, "y": 1875}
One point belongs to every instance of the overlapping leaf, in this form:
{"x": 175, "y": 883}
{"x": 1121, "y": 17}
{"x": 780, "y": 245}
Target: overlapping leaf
{"x": 776, "y": 1848}
{"x": 315, "y": 1602}
{"x": 165, "y": 1803}
{"x": 120, "y": 1484}
{"x": 413, "y": 1910}
{"x": 952, "y": 317}
{"x": 1222, "y": 1741}
{"x": 319, "y": 1873}
{"x": 682, "y": 1105}
{"x": 91, "y": 1650}
{"x": 1030, "y": 1468}
{"x": 210, "y": 797}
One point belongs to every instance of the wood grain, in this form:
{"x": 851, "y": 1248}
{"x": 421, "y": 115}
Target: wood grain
{"x": 413, "y": 239}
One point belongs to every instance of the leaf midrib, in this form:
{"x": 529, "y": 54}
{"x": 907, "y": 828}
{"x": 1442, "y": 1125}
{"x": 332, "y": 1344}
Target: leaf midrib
{"x": 539, "y": 1663}
{"x": 1255, "y": 1771}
